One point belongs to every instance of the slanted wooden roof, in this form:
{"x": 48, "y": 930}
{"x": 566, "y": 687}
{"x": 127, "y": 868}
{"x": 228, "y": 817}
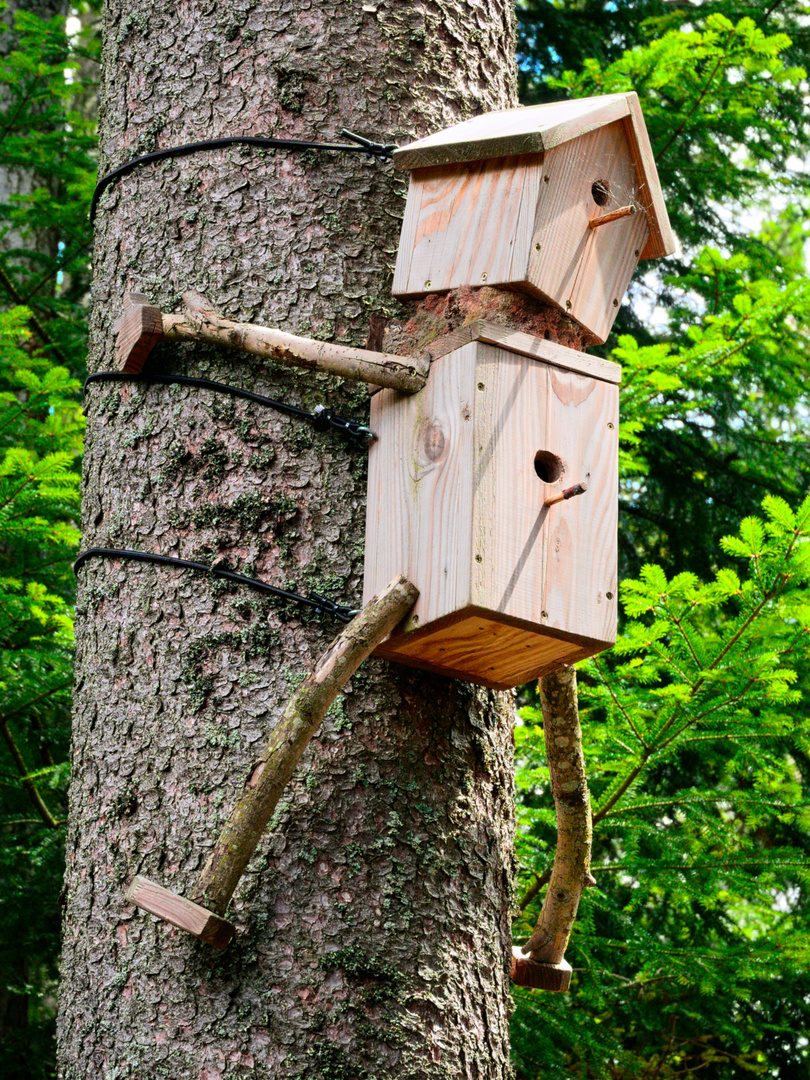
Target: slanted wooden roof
{"x": 537, "y": 128}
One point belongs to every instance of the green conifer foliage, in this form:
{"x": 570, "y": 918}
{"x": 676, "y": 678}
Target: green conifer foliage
{"x": 690, "y": 953}
{"x": 44, "y": 235}
{"x": 697, "y": 762}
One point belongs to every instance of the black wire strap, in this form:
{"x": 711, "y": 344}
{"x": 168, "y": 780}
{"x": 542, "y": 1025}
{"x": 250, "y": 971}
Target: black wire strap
{"x": 321, "y": 604}
{"x": 322, "y": 418}
{"x": 381, "y": 151}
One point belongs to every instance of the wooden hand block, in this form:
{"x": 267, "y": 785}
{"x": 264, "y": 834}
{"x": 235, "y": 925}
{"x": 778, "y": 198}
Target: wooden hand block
{"x": 138, "y": 329}
{"x": 528, "y": 972}
{"x": 184, "y": 914}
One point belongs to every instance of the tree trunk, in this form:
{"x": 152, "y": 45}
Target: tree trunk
{"x": 373, "y": 922}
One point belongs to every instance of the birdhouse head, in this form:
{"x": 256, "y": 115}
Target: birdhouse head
{"x": 560, "y": 201}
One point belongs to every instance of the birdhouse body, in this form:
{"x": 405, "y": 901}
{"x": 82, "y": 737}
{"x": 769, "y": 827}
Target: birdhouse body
{"x": 509, "y": 587}
{"x": 509, "y": 199}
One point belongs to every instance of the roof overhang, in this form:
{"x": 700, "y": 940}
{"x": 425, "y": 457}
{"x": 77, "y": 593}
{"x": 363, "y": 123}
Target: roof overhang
{"x": 537, "y": 128}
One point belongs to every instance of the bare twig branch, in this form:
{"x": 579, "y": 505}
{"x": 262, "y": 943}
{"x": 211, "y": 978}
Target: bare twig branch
{"x": 540, "y": 963}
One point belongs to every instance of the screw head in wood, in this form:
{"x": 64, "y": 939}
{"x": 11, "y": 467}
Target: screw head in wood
{"x": 536, "y": 247}
{"x": 615, "y": 303}
{"x": 609, "y": 595}
{"x": 543, "y": 614}
{"x": 483, "y": 277}
{"x": 480, "y": 386}
{"x": 610, "y": 426}
{"x": 545, "y": 179}
{"x": 428, "y": 284}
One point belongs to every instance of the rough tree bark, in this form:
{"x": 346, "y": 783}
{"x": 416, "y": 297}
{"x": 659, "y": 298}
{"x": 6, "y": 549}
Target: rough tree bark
{"x": 373, "y": 923}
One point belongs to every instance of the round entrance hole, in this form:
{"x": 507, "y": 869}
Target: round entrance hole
{"x": 600, "y": 190}
{"x": 548, "y": 466}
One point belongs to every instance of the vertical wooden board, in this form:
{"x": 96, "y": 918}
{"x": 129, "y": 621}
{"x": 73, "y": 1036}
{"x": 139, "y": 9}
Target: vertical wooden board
{"x": 509, "y": 542}
{"x": 609, "y": 262}
{"x": 468, "y": 225}
{"x": 576, "y": 267}
{"x": 582, "y": 420}
{"x": 545, "y": 565}
{"x": 419, "y": 516}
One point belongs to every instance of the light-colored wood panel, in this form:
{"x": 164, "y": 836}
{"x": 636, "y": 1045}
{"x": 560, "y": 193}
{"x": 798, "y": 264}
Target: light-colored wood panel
{"x": 509, "y": 542}
{"x": 420, "y": 489}
{"x": 540, "y": 128}
{"x": 545, "y": 565}
{"x": 609, "y": 262}
{"x": 580, "y": 587}
{"x": 661, "y": 240}
{"x": 512, "y": 131}
{"x": 469, "y": 225}
{"x": 455, "y": 504}
{"x": 549, "y": 351}
{"x": 482, "y": 650}
{"x": 584, "y": 270}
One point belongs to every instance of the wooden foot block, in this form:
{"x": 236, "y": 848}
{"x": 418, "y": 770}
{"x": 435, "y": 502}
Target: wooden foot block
{"x": 184, "y": 914}
{"x": 527, "y": 972}
{"x": 138, "y": 329}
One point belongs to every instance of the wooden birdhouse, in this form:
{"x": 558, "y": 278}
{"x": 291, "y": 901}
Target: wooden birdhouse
{"x": 494, "y": 490}
{"x": 560, "y": 201}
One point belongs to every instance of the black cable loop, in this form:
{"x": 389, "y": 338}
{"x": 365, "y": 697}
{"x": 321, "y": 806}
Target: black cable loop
{"x": 381, "y": 151}
{"x": 321, "y": 604}
{"x": 322, "y": 418}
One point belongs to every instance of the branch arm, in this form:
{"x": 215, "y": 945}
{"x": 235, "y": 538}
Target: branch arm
{"x": 269, "y": 776}
{"x": 141, "y": 326}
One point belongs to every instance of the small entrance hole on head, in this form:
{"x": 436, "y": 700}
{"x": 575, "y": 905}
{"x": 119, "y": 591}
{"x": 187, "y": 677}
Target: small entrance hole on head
{"x": 548, "y": 466}
{"x": 600, "y": 190}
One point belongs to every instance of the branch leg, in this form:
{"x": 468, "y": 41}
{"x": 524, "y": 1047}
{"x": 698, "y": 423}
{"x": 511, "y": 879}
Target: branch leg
{"x": 541, "y": 962}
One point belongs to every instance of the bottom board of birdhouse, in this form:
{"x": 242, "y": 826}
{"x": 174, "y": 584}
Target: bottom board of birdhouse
{"x": 472, "y": 645}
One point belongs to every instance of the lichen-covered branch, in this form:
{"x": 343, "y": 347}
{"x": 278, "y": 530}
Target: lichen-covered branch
{"x": 300, "y": 720}
{"x": 541, "y": 961}
{"x": 141, "y": 326}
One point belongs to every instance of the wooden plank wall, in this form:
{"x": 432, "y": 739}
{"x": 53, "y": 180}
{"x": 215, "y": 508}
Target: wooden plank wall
{"x": 468, "y": 225}
{"x": 534, "y": 559}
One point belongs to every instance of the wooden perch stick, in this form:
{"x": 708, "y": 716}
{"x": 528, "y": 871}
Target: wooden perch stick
{"x": 541, "y": 962}
{"x": 614, "y": 215}
{"x": 141, "y": 326}
{"x": 268, "y": 777}
{"x": 567, "y": 493}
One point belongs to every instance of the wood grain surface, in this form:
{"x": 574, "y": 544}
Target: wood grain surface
{"x": 509, "y": 587}
{"x": 182, "y": 913}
